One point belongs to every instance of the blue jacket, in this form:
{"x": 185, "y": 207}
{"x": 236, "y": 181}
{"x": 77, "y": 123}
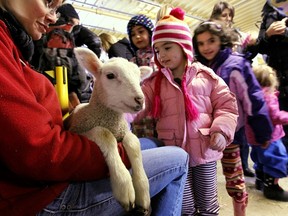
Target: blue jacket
{"x": 236, "y": 71}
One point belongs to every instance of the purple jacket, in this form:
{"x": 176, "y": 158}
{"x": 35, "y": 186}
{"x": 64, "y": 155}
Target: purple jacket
{"x": 237, "y": 73}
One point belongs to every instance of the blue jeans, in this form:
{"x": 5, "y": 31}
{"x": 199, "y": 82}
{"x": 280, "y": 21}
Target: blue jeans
{"x": 166, "y": 168}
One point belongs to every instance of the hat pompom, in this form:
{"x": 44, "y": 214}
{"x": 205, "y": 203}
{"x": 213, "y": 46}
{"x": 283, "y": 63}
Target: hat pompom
{"x": 178, "y": 13}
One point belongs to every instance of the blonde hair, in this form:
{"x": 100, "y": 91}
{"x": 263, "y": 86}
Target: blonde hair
{"x": 266, "y": 76}
{"x": 107, "y": 40}
{"x": 163, "y": 11}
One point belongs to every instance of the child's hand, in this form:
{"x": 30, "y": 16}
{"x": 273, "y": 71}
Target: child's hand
{"x": 218, "y": 142}
{"x": 265, "y": 145}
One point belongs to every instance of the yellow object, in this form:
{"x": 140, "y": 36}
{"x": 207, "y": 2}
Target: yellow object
{"x": 59, "y": 75}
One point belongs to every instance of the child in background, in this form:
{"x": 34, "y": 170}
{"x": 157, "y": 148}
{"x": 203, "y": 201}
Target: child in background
{"x": 213, "y": 47}
{"x": 139, "y": 30}
{"x": 225, "y": 12}
{"x": 270, "y": 162}
{"x": 194, "y": 108}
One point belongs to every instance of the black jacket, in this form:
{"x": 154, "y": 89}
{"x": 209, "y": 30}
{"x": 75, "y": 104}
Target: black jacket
{"x": 275, "y": 47}
{"x": 84, "y": 36}
{"x": 122, "y": 49}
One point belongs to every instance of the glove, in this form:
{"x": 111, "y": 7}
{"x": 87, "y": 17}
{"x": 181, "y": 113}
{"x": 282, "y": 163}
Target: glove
{"x": 218, "y": 142}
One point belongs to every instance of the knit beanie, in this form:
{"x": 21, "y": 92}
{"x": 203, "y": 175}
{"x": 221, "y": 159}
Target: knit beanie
{"x": 173, "y": 28}
{"x": 280, "y": 6}
{"x": 142, "y": 20}
{"x": 68, "y": 11}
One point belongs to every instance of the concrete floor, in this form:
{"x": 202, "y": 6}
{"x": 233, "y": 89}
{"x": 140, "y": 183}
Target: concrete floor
{"x": 258, "y": 205}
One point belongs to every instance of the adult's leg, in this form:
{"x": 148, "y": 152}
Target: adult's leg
{"x": 166, "y": 180}
{"x": 166, "y": 168}
{"x": 150, "y": 142}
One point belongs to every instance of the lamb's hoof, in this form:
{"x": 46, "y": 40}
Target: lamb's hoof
{"x": 129, "y": 207}
{"x": 139, "y": 211}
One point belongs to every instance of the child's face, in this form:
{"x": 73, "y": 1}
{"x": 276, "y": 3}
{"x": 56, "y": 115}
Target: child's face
{"x": 170, "y": 55}
{"x": 208, "y": 45}
{"x": 140, "y": 37}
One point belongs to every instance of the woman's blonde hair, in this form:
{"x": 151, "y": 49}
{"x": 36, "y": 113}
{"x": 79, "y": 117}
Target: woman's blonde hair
{"x": 107, "y": 40}
{"x": 266, "y": 76}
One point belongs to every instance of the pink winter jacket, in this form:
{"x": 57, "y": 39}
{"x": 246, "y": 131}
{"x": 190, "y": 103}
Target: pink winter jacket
{"x": 211, "y": 96}
{"x": 278, "y": 117}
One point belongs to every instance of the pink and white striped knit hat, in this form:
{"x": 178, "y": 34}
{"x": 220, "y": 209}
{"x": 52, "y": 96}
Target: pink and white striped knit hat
{"x": 173, "y": 28}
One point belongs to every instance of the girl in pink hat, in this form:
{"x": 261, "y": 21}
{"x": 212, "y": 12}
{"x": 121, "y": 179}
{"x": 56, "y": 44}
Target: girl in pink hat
{"x": 194, "y": 109}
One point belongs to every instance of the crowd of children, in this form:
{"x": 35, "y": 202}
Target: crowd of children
{"x": 203, "y": 96}
{"x": 216, "y": 47}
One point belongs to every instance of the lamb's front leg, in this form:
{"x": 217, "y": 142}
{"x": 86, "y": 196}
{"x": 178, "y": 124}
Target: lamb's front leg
{"x": 121, "y": 181}
{"x": 141, "y": 184}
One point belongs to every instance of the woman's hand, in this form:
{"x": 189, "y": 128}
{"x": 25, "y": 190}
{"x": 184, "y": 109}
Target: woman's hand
{"x": 277, "y": 28}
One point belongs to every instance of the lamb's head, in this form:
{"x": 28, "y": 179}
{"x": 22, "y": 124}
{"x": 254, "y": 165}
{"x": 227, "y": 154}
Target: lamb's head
{"x": 117, "y": 84}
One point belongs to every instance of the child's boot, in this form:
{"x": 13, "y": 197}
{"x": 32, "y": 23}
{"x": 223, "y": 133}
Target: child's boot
{"x": 240, "y": 207}
{"x": 259, "y": 180}
{"x": 272, "y": 190}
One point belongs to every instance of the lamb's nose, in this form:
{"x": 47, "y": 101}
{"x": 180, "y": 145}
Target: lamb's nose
{"x": 140, "y": 102}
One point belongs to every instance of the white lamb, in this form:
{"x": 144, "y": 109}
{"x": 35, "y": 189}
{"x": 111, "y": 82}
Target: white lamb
{"x": 116, "y": 91}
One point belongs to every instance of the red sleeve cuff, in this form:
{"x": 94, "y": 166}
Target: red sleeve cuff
{"x": 124, "y": 155}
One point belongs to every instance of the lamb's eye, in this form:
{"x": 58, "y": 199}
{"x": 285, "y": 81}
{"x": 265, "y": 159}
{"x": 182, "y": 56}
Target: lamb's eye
{"x": 110, "y": 76}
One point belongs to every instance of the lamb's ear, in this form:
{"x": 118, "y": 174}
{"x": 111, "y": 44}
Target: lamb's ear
{"x": 146, "y": 71}
{"x": 88, "y": 59}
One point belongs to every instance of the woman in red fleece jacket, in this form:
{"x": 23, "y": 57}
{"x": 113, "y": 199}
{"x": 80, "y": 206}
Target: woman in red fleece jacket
{"x": 45, "y": 169}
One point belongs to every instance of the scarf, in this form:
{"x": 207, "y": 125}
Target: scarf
{"x": 20, "y": 37}
{"x": 190, "y": 110}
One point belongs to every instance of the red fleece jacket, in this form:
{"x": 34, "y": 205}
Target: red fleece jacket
{"x": 38, "y": 158}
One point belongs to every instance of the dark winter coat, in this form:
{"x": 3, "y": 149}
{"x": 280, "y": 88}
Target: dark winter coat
{"x": 121, "y": 48}
{"x": 275, "y": 47}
